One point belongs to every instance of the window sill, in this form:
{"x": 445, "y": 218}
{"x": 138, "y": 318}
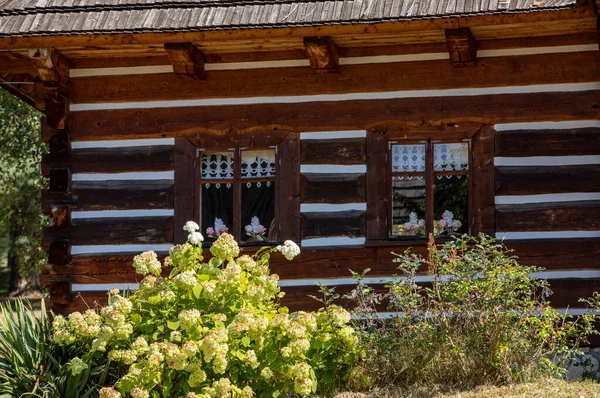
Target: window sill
{"x": 406, "y": 242}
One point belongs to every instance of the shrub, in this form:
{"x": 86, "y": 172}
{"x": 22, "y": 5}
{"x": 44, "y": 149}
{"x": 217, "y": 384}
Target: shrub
{"x": 211, "y": 328}
{"x": 482, "y": 319}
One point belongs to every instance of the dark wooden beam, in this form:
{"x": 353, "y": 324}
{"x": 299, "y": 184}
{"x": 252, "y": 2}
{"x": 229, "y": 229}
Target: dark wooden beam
{"x": 462, "y": 47}
{"x": 322, "y": 53}
{"x": 187, "y": 60}
{"x": 53, "y": 67}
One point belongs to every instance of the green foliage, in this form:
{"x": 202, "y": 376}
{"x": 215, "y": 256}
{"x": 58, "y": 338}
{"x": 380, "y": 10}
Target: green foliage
{"x": 481, "y": 320}
{"x": 211, "y": 328}
{"x": 21, "y": 151}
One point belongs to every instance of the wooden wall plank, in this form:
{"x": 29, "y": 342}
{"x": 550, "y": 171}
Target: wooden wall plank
{"x": 333, "y": 188}
{"x": 289, "y": 189}
{"x": 560, "y": 216}
{"x": 113, "y": 195}
{"x": 545, "y": 180}
{"x": 421, "y": 75}
{"x": 334, "y": 116}
{"x": 566, "y": 293}
{"x": 107, "y": 231}
{"x": 342, "y": 151}
{"x": 570, "y": 142}
{"x": 186, "y": 188}
{"x": 378, "y": 187}
{"x": 483, "y": 181}
{"x": 114, "y": 160}
{"x": 342, "y": 223}
{"x": 565, "y": 254}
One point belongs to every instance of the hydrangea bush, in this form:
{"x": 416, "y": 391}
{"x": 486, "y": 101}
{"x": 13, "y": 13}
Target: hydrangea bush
{"x": 210, "y": 329}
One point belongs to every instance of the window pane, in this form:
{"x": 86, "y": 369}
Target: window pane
{"x": 408, "y": 158}
{"x": 217, "y": 166}
{"x": 450, "y": 196}
{"x": 217, "y": 209}
{"x": 408, "y": 206}
{"x": 451, "y": 157}
{"x": 258, "y": 164}
{"x": 258, "y": 211}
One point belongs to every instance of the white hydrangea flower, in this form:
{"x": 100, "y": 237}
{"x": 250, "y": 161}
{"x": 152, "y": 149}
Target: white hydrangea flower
{"x": 289, "y": 249}
{"x": 76, "y": 366}
{"x": 195, "y": 238}
{"x": 191, "y": 227}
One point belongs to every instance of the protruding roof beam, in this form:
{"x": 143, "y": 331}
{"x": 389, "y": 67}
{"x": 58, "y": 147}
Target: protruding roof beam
{"x": 462, "y": 47}
{"x": 186, "y": 59}
{"x": 323, "y": 54}
{"x": 53, "y": 67}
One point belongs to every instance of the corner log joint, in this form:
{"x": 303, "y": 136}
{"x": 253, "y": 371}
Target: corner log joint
{"x": 187, "y": 60}
{"x": 323, "y": 54}
{"x": 462, "y": 47}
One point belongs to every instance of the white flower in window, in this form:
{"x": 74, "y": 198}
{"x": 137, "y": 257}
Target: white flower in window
{"x": 218, "y": 229}
{"x": 448, "y": 223}
{"x": 414, "y": 224}
{"x": 255, "y": 230}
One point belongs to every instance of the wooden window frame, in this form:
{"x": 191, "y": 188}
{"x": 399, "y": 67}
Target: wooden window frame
{"x": 429, "y": 175}
{"x": 187, "y": 203}
{"x": 379, "y": 178}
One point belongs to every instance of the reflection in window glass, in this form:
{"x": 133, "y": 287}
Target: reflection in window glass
{"x": 408, "y": 206}
{"x": 450, "y": 196}
{"x": 451, "y": 157}
{"x": 217, "y": 209}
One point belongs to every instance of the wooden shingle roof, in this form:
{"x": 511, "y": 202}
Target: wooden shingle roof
{"x": 22, "y": 18}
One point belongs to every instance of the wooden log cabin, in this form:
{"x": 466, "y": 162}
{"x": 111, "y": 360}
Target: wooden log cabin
{"x": 353, "y": 127}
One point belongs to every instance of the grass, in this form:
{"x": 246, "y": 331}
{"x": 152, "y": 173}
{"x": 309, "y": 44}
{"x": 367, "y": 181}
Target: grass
{"x": 550, "y": 388}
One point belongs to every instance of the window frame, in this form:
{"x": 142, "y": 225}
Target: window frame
{"x": 379, "y": 178}
{"x": 187, "y": 190}
{"x": 429, "y": 175}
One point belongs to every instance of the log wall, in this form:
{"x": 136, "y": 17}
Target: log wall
{"x": 118, "y": 187}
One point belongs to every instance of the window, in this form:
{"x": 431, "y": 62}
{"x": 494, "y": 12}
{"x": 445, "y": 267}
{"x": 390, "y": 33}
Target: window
{"x": 429, "y": 179}
{"x": 245, "y": 184}
{"x": 238, "y": 194}
{"x": 429, "y": 188}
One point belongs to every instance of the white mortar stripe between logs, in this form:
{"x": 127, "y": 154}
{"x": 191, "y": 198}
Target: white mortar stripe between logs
{"x": 551, "y": 275}
{"x": 332, "y": 135}
{"x": 332, "y": 168}
{"x": 138, "y": 175}
{"x": 547, "y": 235}
{"x": 298, "y": 99}
{"x": 547, "y": 160}
{"x": 123, "y": 143}
{"x": 503, "y": 52}
{"x": 572, "y": 124}
{"x": 79, "y": 215}
{"x": 331, "y": 207}
{"x": 132, "y": 248}
{"x": 332, "y": 241}
{"x": 546, "y": 198}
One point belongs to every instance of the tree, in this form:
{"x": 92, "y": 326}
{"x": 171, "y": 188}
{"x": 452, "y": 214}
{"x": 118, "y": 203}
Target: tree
{"x": 21, "y": 150}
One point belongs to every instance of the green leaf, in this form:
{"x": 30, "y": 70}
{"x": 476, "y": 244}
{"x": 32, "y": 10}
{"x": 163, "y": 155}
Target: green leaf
{"x": 154, "y": 299}
{"x": 246, "y": 341}
{"x": 136, "y": 319}
{"x": 197, "y": 290}
{"x": 173, "y": 325}
{"x": 276, "y": 393}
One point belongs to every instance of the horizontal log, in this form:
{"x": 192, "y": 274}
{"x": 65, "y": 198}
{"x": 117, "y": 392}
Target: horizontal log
{"x": 334, "y": 116}
{"x": 565, "y": 254}
{"x": 560, "y": 216}
{"x": 565, "y": 293}
{"x": 341, "y": 223}
{"x": 333, "y": 188}
{"x": 113, "y": 195}
{"x": 544, "y": 180}
{"x": 343, "y": 151}
{"x": 108, "y": 231}
{"x": 403, "y": 76}
{"x": 113, "y": 160}
{"x": 558, "y": 254}
{"x": 570, "y": 142}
